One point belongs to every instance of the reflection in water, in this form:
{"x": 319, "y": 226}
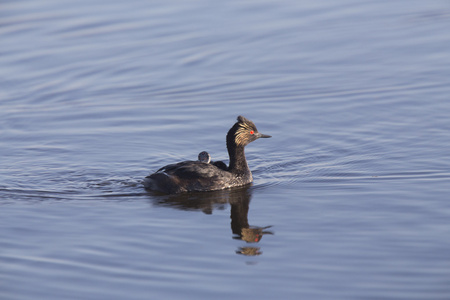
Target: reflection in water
{"x": 238, "y": 198}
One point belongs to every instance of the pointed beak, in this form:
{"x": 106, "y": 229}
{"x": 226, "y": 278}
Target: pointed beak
{"x": 260, "y": 135}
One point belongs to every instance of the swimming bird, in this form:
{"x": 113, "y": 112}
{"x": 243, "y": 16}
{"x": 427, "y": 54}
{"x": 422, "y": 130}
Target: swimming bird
{"x": 189, "y": 176}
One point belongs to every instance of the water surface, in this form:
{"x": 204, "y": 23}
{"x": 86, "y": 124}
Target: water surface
{"x": 350, "y": 195}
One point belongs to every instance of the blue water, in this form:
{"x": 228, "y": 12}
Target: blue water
{"x": 350, "y": 195}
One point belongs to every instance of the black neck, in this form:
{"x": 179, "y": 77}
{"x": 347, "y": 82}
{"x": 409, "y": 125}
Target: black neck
{"x": 238, "y": 163}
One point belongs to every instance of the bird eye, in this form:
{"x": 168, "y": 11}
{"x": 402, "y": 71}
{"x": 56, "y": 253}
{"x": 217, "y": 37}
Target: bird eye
{"x": 252, "y": 132}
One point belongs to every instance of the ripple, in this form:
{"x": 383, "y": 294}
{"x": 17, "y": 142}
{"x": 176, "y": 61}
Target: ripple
{"x": 355, "y": 179}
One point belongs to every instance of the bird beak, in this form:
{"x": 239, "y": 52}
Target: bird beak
{"x": 260, "y": 135}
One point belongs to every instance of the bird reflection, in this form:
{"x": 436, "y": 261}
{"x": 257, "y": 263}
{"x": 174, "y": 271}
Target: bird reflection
{"x": 239, "y": 200}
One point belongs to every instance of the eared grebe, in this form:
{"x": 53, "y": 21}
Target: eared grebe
{"x": 206, "y": 158}
{"x": 204, "y": 176}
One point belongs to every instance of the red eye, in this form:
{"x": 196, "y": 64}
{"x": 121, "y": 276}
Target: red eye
{"x": 252, "y": 132}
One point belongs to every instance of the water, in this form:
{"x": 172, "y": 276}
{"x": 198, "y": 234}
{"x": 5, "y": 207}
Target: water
{"x": 350, "y": 195}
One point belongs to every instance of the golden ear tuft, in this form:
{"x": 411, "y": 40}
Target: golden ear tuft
{"x": 241, "y": 119}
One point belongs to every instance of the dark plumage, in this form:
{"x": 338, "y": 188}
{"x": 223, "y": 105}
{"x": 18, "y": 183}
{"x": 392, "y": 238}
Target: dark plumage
{"x": 202, "y": 176}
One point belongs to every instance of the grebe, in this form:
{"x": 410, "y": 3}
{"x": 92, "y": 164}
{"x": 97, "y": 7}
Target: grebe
{"x": 205, "y": 157}
{"x": 201, "y": 175}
